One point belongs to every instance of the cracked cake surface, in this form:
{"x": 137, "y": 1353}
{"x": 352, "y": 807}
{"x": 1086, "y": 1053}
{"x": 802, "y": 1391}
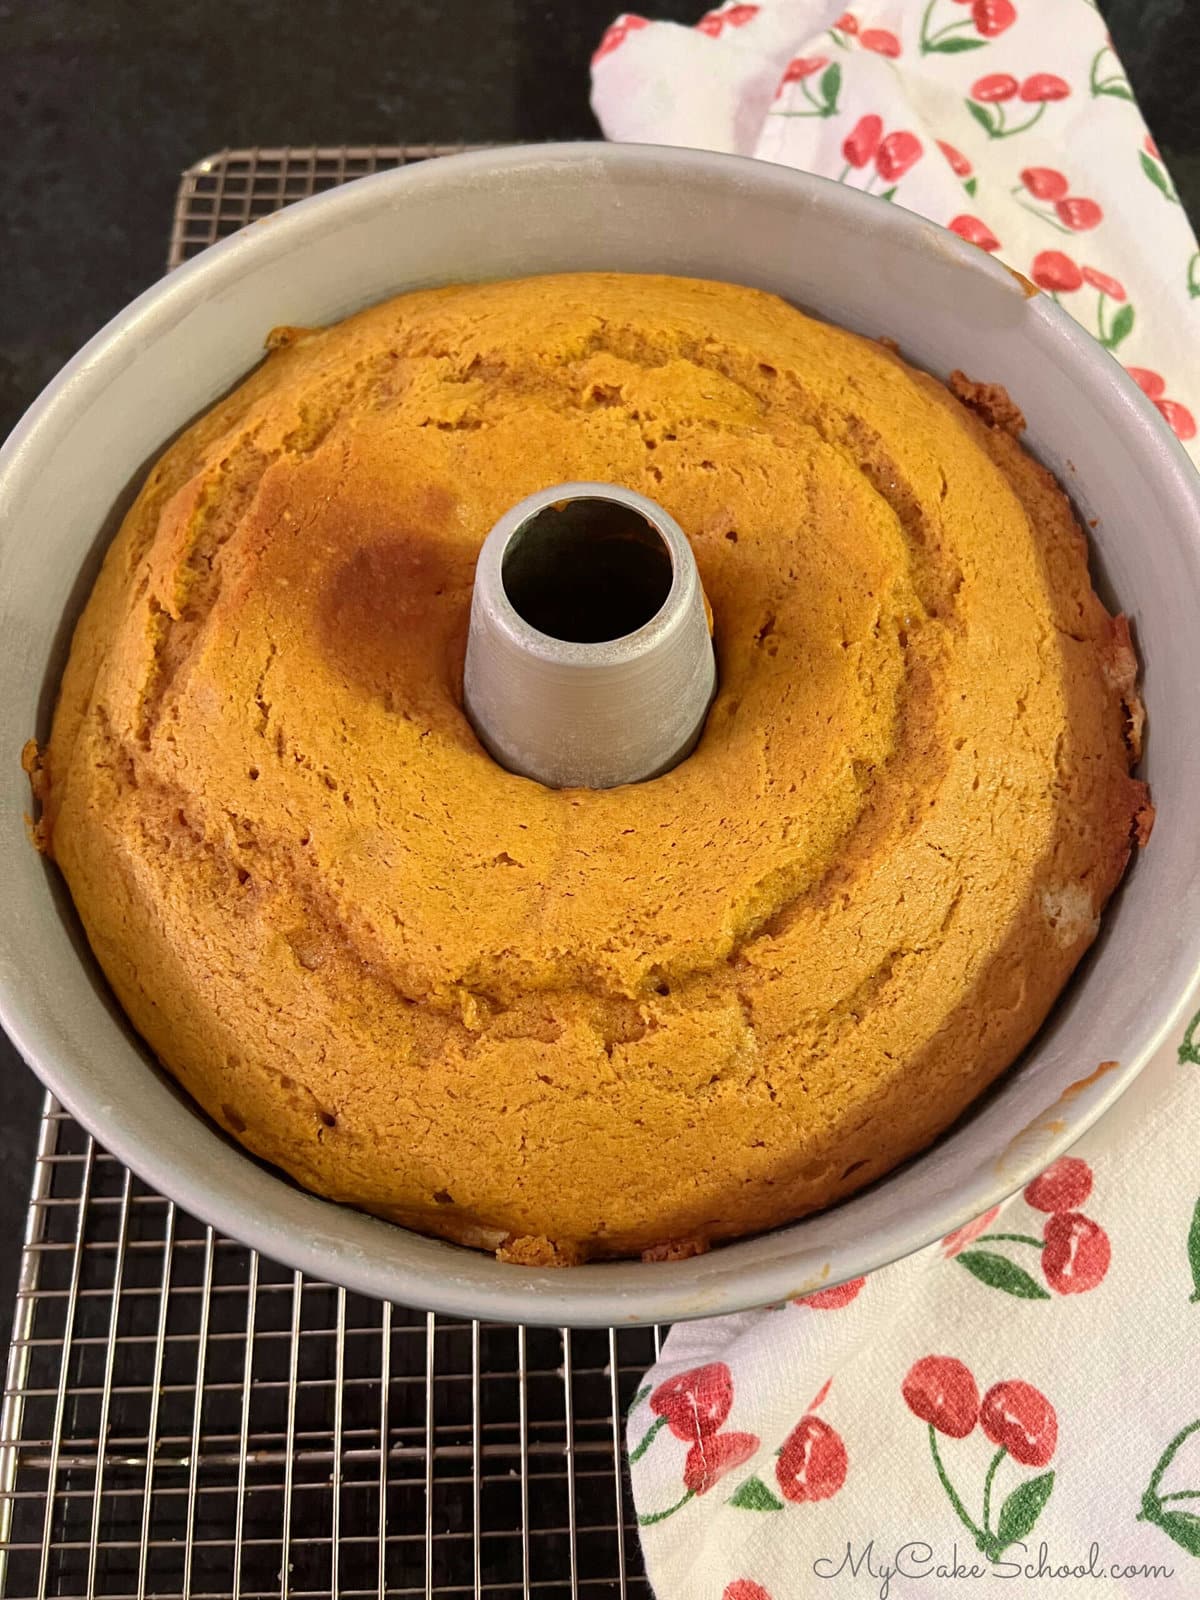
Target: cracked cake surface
{"x": 566, "y": 1024}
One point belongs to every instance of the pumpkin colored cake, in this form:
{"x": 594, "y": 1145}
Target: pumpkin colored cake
{"x": 572, "y": 1024}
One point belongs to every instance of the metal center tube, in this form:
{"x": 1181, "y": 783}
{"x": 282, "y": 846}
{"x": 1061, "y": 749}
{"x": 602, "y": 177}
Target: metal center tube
{"x": 589, "y": 658}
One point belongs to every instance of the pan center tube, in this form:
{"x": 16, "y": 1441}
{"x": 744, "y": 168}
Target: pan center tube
{"x": 589, "y": 657}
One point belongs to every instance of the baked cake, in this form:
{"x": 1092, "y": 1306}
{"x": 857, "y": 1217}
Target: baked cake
{"x": 572, "y": 1024}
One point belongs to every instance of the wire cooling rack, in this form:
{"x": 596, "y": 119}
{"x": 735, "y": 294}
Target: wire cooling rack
{"x": 224, "y": 192}
{"x": 185, "y": 1418}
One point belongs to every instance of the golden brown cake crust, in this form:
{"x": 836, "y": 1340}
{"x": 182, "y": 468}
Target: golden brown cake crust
{"x": 569, "y": 1024}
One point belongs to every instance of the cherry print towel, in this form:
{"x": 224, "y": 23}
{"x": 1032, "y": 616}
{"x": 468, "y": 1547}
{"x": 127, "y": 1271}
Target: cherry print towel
{"x": 1016, "y": 1410}
{"x": 1009, "y": 121}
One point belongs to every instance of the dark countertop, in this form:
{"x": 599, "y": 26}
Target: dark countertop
{"x": 106, "y": 101}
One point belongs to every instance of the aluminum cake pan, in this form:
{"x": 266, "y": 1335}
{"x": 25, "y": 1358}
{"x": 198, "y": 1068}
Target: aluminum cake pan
{"x": 69, "y": 470}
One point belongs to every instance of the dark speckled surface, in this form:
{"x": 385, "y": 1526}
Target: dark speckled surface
{"x": 106, "y": 100}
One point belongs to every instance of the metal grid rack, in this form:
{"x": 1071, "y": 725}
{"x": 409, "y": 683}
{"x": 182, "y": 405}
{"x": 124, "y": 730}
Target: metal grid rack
{"x": 224, "y": 192}
{"x": 185, "y": 1418}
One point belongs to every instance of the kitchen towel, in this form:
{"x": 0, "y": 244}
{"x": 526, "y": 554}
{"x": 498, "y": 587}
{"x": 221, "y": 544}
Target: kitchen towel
{"x": 1016, "y": 1410}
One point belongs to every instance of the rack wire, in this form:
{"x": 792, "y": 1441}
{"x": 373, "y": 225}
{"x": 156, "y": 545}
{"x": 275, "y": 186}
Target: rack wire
{"x": 183, "y": 1417}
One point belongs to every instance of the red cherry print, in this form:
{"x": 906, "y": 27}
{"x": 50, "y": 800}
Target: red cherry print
{"x": 743, "y": 1589}
{"x": 1076, "y": 1253}
{"x": 1180, "y": 419}
{"x": 1019, "y": 1417}
{"x": 1150, "y": 383}
{"x": 1044, "y": 183}
{"x": 974, "y": 232}
{"x": 812, "y": 1463}
{"x": 735, "y": 17}
{"x": 941, "y": 1390}
{"x": 803, "y": 67}
{"x": 846, "y": 23}
{"x": 994, "y": 87}
{"x": 711, "y": 1458}
{"x": 1045, "y": 86}
{"x": 897, "y": 154}
{"x": 1055, "y": 271}
{"x": 617, "y": 34}
{"x": 1112, "y": 287}
{"x": 880, "y": 40}
{"x": 832, "y": 1299}
{"x": 992, "y": 17}
{"x": 695, "y": 1403}
{"x": 970, "y": 1231}
{"x": 862, "y": 141}
{"x": 957, "y": 160}
{"x": 1066, "y": 1184}
{"x": 1079, "y": 213}
{"x": 1152, "y": 148}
